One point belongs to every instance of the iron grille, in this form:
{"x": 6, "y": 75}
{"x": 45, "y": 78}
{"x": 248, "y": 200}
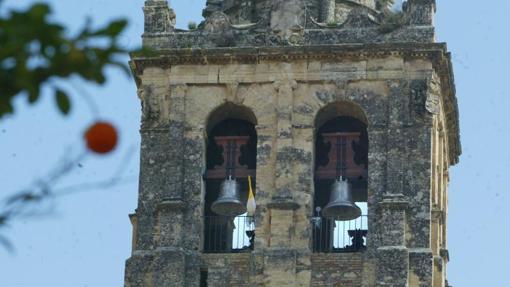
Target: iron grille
{"x": 224, "y": 234}
{"x": 330, "y": 235}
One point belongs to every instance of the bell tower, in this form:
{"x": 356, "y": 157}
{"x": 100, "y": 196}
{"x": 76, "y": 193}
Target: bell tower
{"x": 294, "y": 143}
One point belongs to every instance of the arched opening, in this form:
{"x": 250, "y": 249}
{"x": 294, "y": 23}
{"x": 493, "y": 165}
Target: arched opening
{"x": 230, "y": 161}
{"x": 341, "y": 179}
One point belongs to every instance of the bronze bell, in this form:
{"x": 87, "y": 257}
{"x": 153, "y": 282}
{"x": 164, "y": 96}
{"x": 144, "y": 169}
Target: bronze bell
{"x": 229, "y": 202}
{"x": 341, "y": 206}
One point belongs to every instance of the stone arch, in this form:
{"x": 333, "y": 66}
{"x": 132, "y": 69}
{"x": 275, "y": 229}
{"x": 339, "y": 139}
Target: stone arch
{"x": 366, "y": 102}
{"x": 340, "y": 128}
{"x": 231, "y": 154}
{"x": 229, "y": 110}
{"x": 338, "y": 109}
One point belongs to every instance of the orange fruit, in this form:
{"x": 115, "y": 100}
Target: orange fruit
{"x": 101, "y": 137}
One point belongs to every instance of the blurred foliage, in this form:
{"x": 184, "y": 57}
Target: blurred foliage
{"x": 35, "y": 51}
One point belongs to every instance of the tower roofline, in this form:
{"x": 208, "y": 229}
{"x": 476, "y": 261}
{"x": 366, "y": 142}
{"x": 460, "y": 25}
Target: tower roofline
{"x": 290, "y": 23}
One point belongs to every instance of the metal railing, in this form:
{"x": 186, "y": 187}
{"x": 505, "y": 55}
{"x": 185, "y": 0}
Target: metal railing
{"x": 224, "y": 234}
{"x": 330, "y": 235}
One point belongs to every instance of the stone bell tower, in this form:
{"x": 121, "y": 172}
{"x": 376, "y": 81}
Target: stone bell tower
{"x": 337, "y": 118}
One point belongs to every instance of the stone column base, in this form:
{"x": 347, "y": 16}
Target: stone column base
{"x": 392, "y": 266}
{"x": 163, "y": 267}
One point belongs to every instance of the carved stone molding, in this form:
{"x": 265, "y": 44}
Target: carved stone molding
{"x": 445, "y": 254}
{"x": 220, "y": 29}
{"x": 360, "y": 17}
{"x": 285, "y": 85}
{"x": 439, "y": 215}
{"x": 179, "y": 89}
{"x": 418, "y": 100}
{"x": 151, "y": 108}
{"x": 232, "y": 92}
{"x": 171, "y": 204}
{"x": 432, "y": 104}
{"x": 287, "y": 17}
{"x": 395, "y": 202}
{"x": 283, "y": 203}
{"x": 434, "y": 52}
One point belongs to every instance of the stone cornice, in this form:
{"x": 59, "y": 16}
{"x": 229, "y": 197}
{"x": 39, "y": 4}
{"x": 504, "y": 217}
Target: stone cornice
{"x": 435, "y": 52}
{"x": 244, "y": 55}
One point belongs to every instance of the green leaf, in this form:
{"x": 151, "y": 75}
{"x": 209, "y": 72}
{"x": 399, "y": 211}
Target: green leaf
{"x": 63, "y": 102}
{"x": 5, "y": 106}
{"x": 33, "y": 93}
{"x": 113, "y": 29}
{"x": 31, "y": 34}
{"x": 40, "y": 10}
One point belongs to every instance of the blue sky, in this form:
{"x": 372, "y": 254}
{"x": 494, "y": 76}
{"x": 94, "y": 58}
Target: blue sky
{"x": 86, "y": 237}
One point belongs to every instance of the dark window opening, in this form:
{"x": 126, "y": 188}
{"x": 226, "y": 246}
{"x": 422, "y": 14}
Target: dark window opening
{"x": 341, "y": 151}
{"x": 231, "y": 153}
{"x": 203, "y": 278}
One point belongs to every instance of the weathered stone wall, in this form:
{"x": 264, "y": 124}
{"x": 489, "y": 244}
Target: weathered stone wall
{"x": 400, "y": 99}
{"x": 228, "y": 269}
{"x": 345, "y": 269}
{"x": 278, "y": 23}
{"x": 294, "y": 64}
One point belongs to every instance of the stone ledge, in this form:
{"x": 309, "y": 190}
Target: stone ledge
{"x": 393, "y": 248}
{"x": 171, "y": 204}
{"x": 244, "y": 38}
{"x": 284, "y": 205}
{"x": 396, "y": 201}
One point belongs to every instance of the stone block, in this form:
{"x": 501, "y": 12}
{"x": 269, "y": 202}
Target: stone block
{"x": 421, "y": 264}
{"x": 194, "y": 74}
{"x": 282, "y": 226}
{"x": 392, "y": 266}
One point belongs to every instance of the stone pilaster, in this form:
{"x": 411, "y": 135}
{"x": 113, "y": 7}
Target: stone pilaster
{"x": 159, "y": 17}
{"x": 138, "y": 270}
{"x": 286, "y": 267}
{"x": 284, "y": 148}
{"x": 421, "y": 12}
{"x": 439, "y": 268}
{"x": 265, "y": 170}
{"x": 176, "y": 143}
{"x": 285, "y": 260}
{"x": 169, "y": 223}
{"x": 168, "y": 268}
{"x": 189, "y": 143}
{"x": 421, "y": 265}
{"x": 193, "y": 189}
{"x": 153, "y": 158}
{"x": 392, "y": 255}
